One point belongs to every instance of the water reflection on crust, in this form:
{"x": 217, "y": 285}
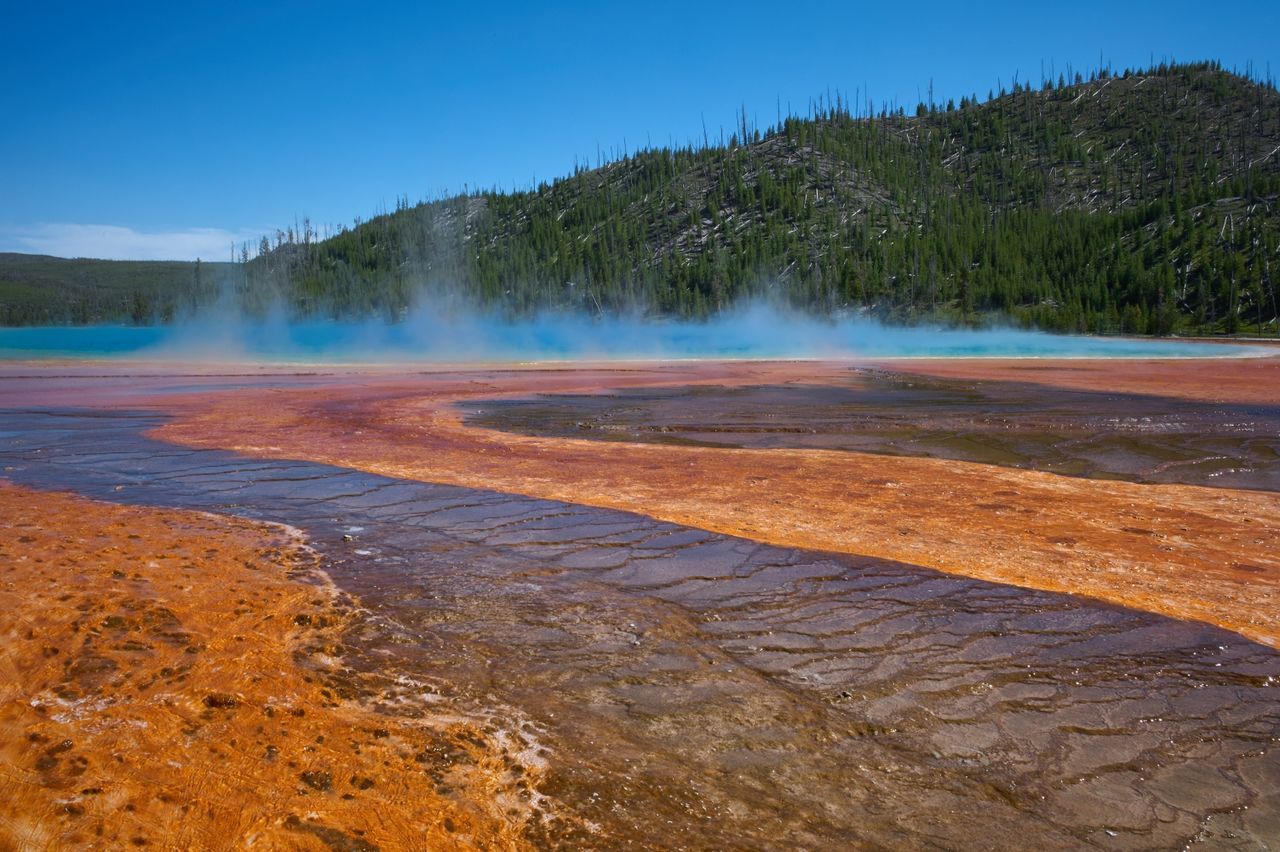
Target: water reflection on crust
{"x": 1015, "y": 424}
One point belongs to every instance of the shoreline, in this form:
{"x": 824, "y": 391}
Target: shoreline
{"x": 266, "y": 364}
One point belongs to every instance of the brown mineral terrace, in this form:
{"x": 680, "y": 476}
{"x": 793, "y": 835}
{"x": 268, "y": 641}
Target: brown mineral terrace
{"x": 164, "y": 682}
{"x": 1185, "y": 551}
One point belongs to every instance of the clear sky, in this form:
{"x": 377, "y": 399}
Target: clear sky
{"x": 168, "y": 130}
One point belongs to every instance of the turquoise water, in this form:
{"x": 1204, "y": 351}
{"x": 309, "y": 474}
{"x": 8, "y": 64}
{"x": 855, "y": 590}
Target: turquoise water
{"x": 425, "y": 337}
{"x": 77, "y": 341}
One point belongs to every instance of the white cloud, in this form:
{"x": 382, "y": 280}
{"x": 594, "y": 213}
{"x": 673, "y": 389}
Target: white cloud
{"x": 114, "y": 242}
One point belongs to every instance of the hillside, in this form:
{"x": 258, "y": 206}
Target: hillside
{"x": 40, "y": 290}
{"x": 1137, "y": 202}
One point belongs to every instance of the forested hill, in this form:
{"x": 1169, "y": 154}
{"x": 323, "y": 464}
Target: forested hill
{"x": 1138, "y": 202}
{"x": 40, "y": 290}
{"x": 1144, "y": 201}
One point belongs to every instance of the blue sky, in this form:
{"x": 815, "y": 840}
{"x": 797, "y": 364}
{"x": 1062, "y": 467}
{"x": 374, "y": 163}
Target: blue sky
{"x": 154, "y": 130}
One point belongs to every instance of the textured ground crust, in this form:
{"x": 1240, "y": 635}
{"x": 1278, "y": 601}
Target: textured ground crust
{"x": 163, "y": 682}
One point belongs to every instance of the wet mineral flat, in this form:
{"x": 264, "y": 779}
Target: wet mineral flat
{"x": 690, "y": 688}
{"x": 1134, "y": 437}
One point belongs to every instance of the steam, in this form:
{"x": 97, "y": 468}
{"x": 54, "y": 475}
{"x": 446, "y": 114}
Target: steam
{"x": 448, "y": 333}
{"x": 441, "y": 333}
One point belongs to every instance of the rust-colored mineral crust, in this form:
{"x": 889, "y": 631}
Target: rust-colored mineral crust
{"x": 1184, "y": 551}
{"x": 152, "y": 694}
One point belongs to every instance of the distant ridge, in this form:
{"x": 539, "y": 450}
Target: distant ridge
{"x": 37, "y": 289}
{"x": 1137, "y": 202}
